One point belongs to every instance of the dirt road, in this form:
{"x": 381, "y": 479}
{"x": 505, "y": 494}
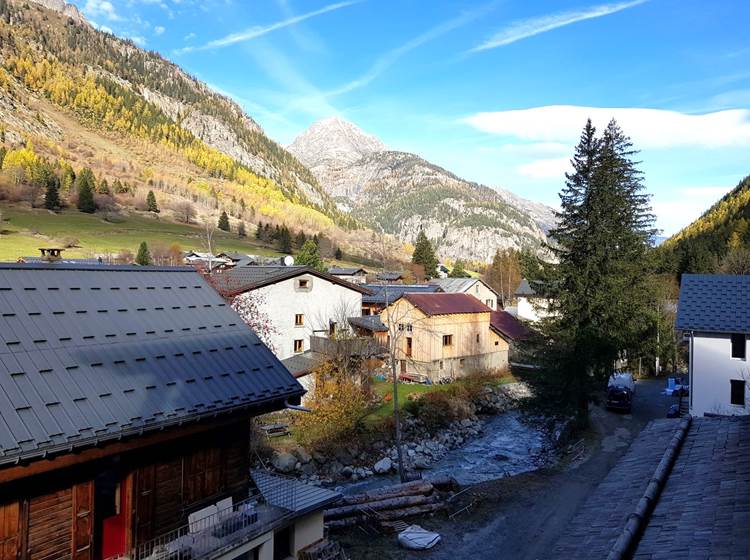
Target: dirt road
{"x": 523, "y": 516}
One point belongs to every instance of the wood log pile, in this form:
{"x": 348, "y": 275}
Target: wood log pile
{"x": 386, "y": 505}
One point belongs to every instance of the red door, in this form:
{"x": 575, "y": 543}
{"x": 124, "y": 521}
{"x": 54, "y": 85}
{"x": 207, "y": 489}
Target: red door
{"x": 115, "y": 527}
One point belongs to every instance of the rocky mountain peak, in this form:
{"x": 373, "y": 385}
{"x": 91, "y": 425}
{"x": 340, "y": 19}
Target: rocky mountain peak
{"x": 64, "y": 8}
{"x": 335, "y": 142}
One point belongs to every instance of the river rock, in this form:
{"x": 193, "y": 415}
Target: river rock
{"x": 302, "y": 455}
{"x": 283, "y": 461}
{"x": 347, "y": 472}
{"x": 383, "y": 466}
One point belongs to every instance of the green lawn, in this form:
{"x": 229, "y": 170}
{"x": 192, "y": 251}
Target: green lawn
{"x": 24, "y": 230}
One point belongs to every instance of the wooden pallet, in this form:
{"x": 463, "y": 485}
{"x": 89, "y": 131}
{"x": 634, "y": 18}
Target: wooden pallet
{"x": 322, "y": 550}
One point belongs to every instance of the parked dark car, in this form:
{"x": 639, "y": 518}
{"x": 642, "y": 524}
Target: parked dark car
{"x": 619, "y": 398}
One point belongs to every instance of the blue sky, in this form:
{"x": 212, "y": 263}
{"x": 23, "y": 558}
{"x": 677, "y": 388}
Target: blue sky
{"x": 494, "y": 91}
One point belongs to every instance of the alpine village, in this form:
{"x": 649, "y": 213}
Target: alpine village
{"x": 215, "y": 345}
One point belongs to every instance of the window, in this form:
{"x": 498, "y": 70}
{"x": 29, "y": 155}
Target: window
{"x": 738, "y": 346}
{"x": 488, "y": 303}
{"x": 303, "y": 284}
{"x": 408, "y": 346}
{"x": 408, "y": 328}
{"x": 401, "y": 326}
{"x": 477, "y": 338}
{"x": 497, "y": 343}
{"x": 299, "y": 320}
{"x": 447, "y": 340}
{"x": 299, "y": 345}
{"x": 738, "y": 392}
{"x": 441, "y": 364}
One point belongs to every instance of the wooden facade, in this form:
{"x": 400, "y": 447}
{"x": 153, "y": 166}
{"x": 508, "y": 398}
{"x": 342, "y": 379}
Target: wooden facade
{"x": 437, "y": 346}
{"x": 104, "y": 507}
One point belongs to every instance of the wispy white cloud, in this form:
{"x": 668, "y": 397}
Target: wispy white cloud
{"x": 522, "y": 29}
{"x": 159, "y": 30}
{"x": 649, "y": 128}
{"x": 189, "y": 36}
{"x": 101, "y": 8}
{"x": 545, "y": 168}
{"x": 387, "y": 60}
{"x": 138, "y": 40}
{"x": 260, "y": 30}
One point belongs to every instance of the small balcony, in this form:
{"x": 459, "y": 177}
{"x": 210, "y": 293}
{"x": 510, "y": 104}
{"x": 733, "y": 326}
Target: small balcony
{"x": 216, "y": 530}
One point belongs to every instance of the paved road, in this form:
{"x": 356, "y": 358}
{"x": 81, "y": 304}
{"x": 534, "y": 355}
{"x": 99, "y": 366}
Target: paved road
{"x": 526, "y": 515}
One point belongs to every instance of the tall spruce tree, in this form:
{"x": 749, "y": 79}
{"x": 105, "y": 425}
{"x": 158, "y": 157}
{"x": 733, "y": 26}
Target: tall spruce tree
{"x": 85, "y": 185}
{"x": 151, "y": 205}
{"x": 284, "y": 240}
{"x": 241, "y": 232}
{"x": 424, "y": 254}
{"x": 223, "y": 222}
{"x": 143, "y": 257}
{"x": 52, "y": 195}
{"x": 598, "y": 290}
{"x": 309, "y": 255}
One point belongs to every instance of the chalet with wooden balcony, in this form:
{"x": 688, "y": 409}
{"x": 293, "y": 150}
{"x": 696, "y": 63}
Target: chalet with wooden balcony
{"x": 126, "y": 401}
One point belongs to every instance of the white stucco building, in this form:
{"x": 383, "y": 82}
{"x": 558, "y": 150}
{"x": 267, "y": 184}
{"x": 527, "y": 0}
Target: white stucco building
{"x": 472, "y": 286}
{"x": 714, "y": 315}
{"x": 298, "y": 301}
{"x": 530, "y": 306}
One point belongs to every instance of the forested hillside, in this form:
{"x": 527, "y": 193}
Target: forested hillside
{"x": 714, "y": 241}
{"x": 75, "y": 98}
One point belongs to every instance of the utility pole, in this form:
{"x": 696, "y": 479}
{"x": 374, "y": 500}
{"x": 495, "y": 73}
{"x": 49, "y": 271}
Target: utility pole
{"x": 393, "y": 334}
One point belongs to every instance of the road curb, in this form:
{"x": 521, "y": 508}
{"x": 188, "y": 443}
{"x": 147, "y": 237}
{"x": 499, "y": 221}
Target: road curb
{"x": 639, "y": 518}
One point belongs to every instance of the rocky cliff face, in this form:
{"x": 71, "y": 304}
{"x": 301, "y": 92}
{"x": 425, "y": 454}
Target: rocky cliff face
{"x": 403, "y": 194}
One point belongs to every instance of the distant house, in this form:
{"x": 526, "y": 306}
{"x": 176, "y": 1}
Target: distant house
{"x": 714, "y": 314}
{"x": 531, "y": 306}
{"x": 510, "y": 329}
{"x": 443, "y": 336}
{"x": 472, "y": 286}
{"x": 299, "y": 302}
{"x": 442, "y": 271}
{"x": 382, "y": 295}
{"x": 127, "y": 396}
{"x": 207, "y": 260}
{"x": 389, "y": 276}
{"x": 353, "y": 275}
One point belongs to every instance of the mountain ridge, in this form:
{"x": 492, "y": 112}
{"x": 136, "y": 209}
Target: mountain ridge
{"x": 403, "y": 193}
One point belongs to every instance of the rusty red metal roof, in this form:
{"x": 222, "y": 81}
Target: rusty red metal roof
{"x": 446, "y": 304}
{"x": 507, "y": 326}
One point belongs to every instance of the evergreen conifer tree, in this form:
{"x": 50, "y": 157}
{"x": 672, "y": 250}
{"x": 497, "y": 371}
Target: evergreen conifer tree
{"x": 284, "y": 240}
{"x": 52, "y": 196}
{"x": 241, "y": 229}
{"x": 224, "y": 222}
{"x": 85, "y": 185}
{"x": 259, "y": 230}
{"x": 598, "y": 291}
{"x": 309, "y": 255}
{"x": 151, "y": 202}
{"x": 424, "y": 254}
{"x": 339, "y": 254}
{"x": 299, "y": 239}
{"x": 458, "y": 270}
{"x": 143, "y": 257}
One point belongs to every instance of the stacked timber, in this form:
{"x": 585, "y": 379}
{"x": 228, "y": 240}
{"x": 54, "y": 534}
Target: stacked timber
{"x": 385, "y": 505}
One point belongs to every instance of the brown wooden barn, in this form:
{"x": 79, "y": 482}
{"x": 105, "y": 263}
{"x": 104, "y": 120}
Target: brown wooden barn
{"x": 126, "y": 401}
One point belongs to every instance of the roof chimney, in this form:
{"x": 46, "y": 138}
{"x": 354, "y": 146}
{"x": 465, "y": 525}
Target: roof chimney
{"x": 51, "y": 254}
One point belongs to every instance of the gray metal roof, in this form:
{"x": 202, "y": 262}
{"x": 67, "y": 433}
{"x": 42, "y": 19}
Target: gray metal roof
{"x": 345, "y": 271}
{"x": 717, "y": 303}
{"x": 459, "y": 285}
{"x": 290, "y": 494}
{"x": 243, "y": 278}
{"x": 91, "y": 353}
{"x": 524, "y": 289}
{"x": 368, "y": 322}
{"x": 379, "y": 292}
